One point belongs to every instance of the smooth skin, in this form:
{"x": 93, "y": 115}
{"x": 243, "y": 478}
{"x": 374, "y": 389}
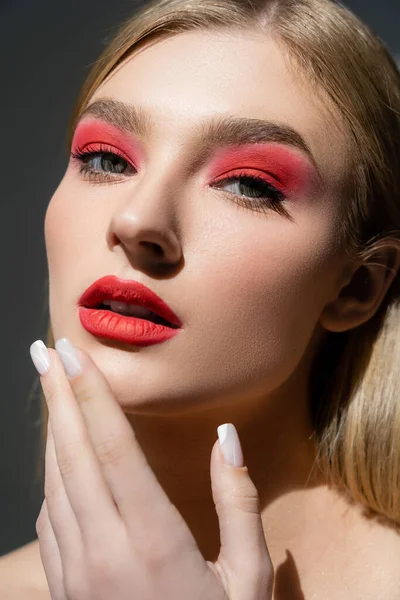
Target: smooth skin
{"x": 256, "y": 292}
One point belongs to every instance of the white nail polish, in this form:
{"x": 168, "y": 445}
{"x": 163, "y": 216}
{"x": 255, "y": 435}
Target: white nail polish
{"x": 40, "y": 356}
{"x": 69, "y": 358}
{"x": 230, "y": 444}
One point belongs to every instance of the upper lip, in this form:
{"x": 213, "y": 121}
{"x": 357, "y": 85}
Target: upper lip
{"x": 111, "y": 287}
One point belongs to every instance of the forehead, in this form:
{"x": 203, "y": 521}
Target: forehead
{"x": 182, "y": 80}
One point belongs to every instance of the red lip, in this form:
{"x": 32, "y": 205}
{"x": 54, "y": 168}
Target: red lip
{"x": 128, "y": 329}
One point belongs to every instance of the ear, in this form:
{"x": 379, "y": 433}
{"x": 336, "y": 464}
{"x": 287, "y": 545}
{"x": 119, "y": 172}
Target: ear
{"x": 359, "y": 299}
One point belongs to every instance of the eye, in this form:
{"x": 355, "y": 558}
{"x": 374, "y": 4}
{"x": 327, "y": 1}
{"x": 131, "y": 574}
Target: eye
{"x": 108, "y": 162}
{"x": 253, "y": 192}
{"x": 252, "y": 187}
{"x": 101, "y": 163}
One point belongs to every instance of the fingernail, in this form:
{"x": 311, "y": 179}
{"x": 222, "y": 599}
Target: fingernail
{"x": 69, "y": 357}
{"x": 230, "y": 444}
{"x": 40, "y": 357}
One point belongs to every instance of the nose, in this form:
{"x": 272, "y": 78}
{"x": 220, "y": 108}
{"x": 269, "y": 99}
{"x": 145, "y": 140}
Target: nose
{"x": 146, "y": 226}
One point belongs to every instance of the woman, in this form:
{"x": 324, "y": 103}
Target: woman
{"x": 241, "y": 161}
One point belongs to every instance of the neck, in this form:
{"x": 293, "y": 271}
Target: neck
{"x": 278, "y": 448}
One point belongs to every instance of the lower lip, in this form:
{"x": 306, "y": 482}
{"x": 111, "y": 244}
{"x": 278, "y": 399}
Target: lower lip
{"x": 130, "y": 330}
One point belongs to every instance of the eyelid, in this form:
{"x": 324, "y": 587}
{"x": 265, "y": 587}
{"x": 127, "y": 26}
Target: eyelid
{"x": 101, "y": 147}
{"x": 290, "y": 172}
{"x": 94, "y": 131}
{"x": 248, "y": 174}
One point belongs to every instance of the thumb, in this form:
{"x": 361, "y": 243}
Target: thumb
{"x": 243, "y": 565}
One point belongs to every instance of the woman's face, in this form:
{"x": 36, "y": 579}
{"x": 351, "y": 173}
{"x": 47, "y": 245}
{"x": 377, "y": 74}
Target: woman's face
{"x": 248, "y": 281}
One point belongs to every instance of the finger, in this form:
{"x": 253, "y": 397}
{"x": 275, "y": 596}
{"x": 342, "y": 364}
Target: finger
{"x": 244, "y": 558}
{"x": 50, "y": 555}
{"x": 133, "y": 485}
{"x": 87, "y": 491}
{"x": 62, "y": 518}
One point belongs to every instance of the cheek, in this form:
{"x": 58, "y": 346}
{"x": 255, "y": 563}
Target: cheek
{"x": 69, "y": 225}
{"x": 70, "y": 232}
{"x": 55, "y": 229}
{"x": 265, "y": 292}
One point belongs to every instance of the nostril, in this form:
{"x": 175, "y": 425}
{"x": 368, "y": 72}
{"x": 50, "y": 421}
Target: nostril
{"x": 155, "y": 248}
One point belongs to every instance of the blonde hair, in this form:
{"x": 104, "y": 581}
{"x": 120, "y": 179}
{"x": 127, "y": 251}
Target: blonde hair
{"x": 354, "y": 383}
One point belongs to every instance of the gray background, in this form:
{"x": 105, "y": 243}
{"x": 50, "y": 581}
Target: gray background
{"x": 46, "y": 50}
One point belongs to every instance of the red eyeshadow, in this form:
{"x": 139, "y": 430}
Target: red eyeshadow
{"x": 282, "y": 167}
{"x": 94, "y": 131}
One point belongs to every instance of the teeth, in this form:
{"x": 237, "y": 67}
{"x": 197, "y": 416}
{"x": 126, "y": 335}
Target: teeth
{"x": 129, "y": 309}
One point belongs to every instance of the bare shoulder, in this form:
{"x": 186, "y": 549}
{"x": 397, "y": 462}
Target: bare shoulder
{"x": 342, "y": 553}
{"x": 22, "y": 575}
{"x": 373, "y": 554}
{"x": 381, "y": 549}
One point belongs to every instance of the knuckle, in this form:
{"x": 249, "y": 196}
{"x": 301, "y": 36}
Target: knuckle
{"x": 41, "y": 521}
{"x": 84, "y": 393}
{"x": 99, "y": 564}
{"x": 52, "y": 393}
{"x": 258, "y": 571}
{"x": 158, "y": 549}
{"x": 39, "y": 528}
{"x": 51, "y": 488}
{"x": 157, "y": 554}
{"x": 74, "y": 586}
{"x": 112, "y": 448}
{"x": 67, "y": 457}
{"x": 246, "y": 498}
{"x": 103, "y": 568}
{"x": 264, "y": 578}
{"x": 261, "y": 569}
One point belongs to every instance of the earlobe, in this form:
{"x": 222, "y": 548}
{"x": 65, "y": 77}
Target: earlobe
{"x": 359, "y": 300}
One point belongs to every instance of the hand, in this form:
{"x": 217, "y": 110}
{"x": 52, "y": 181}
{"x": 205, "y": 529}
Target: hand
{"x": 106, "y": 529}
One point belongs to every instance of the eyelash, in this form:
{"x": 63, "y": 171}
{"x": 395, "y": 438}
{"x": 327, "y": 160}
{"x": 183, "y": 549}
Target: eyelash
{"x": 83, "y": 156}
{"x": 272, "y": 200}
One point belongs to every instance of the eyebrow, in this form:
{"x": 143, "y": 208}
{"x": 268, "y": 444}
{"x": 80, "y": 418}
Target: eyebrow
{"x": 124, "y": 116}
{"x": 215, "y": 132}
